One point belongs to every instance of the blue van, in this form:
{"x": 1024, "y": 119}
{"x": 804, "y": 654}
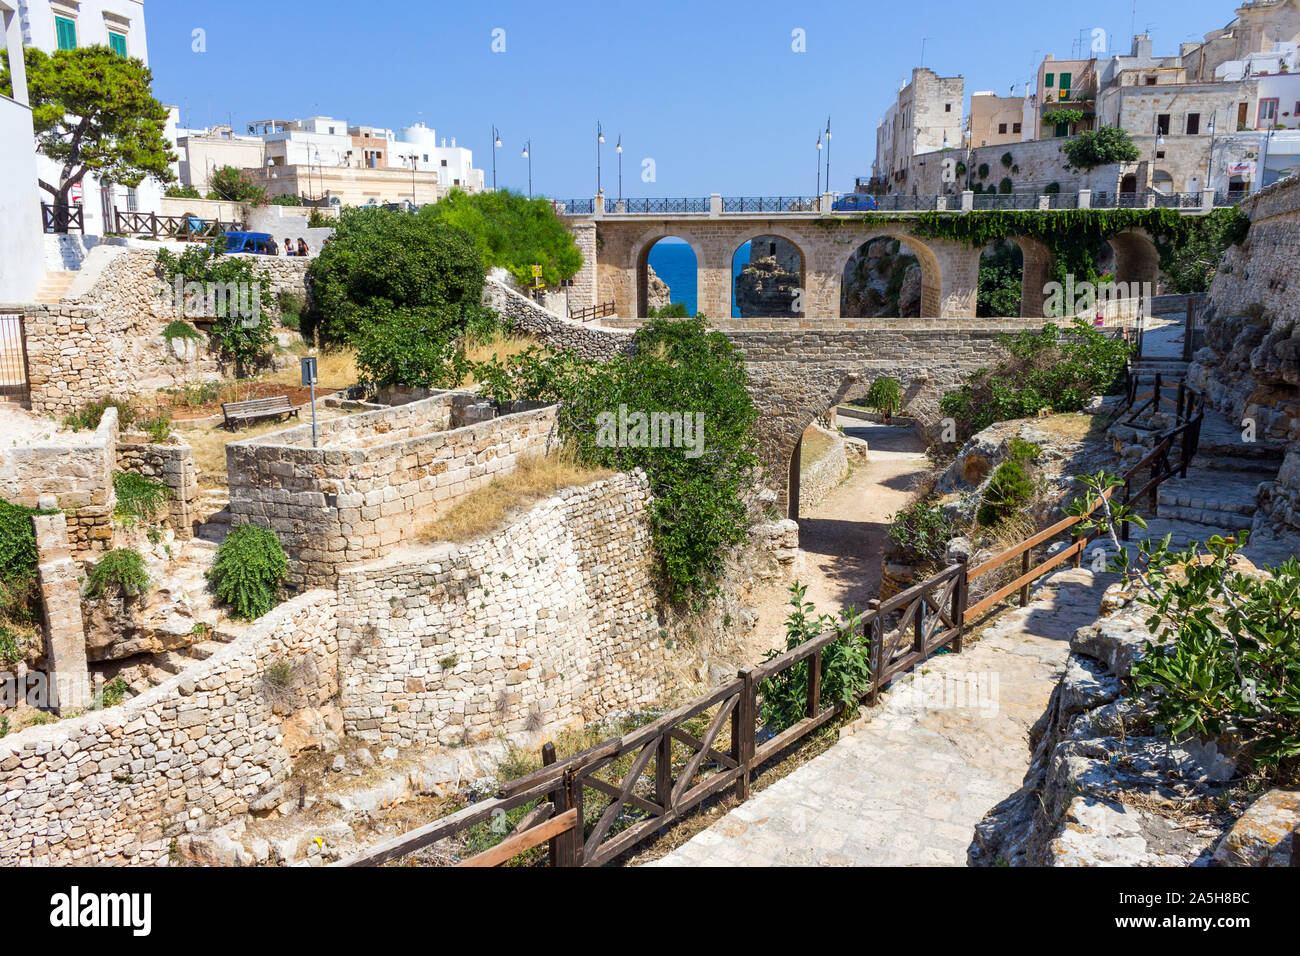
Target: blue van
{"x": 255, "y": 242}
{"x": 855, "y": 202}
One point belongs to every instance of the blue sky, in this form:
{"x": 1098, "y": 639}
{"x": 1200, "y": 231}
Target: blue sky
{"x": 712, "y": 92}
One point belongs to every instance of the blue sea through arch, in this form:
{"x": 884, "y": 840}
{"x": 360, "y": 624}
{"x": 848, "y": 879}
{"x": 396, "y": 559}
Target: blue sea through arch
{"x": 673, "y": 260}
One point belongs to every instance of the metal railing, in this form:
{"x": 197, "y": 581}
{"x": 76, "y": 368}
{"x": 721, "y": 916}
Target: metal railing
{"x": 649, "y": 207}
{"x": 901, "y": 202}
{"x": 15, "y": 380}
{"x": 770, "y": 204}
{"x": 573, "y": 207}
{"x": 69, "y": 218}
{"x": 1005, "y": 201}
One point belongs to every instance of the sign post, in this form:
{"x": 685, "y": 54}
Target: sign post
{"x": 309, "y": 378}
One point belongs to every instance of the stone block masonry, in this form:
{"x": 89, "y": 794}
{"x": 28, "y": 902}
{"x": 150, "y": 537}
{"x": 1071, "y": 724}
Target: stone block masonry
{"x": 174, "y": 466}
{"x": 65, "y": 636}
{"x": 375, "y": 480}
{"x": 115, "y": 786}
{"x": 550, "y": 622}
{"x": 77, "y": 473}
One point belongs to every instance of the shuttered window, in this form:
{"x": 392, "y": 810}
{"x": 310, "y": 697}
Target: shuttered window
{"x": 65, "y": 31}
{"x": 118, "y": 42}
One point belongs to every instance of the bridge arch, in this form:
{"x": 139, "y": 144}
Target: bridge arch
{"x": 644, "y": 246}
{"x": 931, "y": 269}
{"x": 1137, "y": 259}
{"x": 801, "y": 301}
{"x": 1038, "y": 265}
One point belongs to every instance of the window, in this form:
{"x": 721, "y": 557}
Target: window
{"x": 1062, "y": 129}
{"x": 65, "y": 32}
{"x": 1162, "y": 124}
{"x": 1015, "y": 127}
{"x": 1151, "y": 81}
{"x": 1002, "y": 129}
{"x": 426, "y": 157}
{"x": 947, "y": 107}
{"x": 118, "y": 42}
{"x": 1049, "y": 80}
{"x": 1267, "y": 112}
{"x": 1193, "y": 123}
{"x": 444, "y": 164}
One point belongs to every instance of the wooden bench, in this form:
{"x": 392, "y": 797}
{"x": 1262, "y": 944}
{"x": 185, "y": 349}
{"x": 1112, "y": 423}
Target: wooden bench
{"x": 256, "y": 408}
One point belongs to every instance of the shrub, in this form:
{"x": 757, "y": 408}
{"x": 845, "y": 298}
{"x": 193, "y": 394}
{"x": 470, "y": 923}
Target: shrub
{"x": 248, "y": 569}
{"x": 19, "y": 598}
{"x": 242, "y": 339}
{"x": 182, "y": 192}
{"x": 513, "y": 232}
{"x": 1011, "y": 486}
{"x": 1058, "y": 116}
{"x": 1000, "y": 280}
{"x": 1050, "y": 368}
{"x": 1101, "y": 147}
{"x": 1005, "y": 185}
{"x": 11, "y": 646}
{"x": 1007, "y": 160}
{"x": 983, "y": 171}
{"x": 1052, "y": 189}
{"x": 236, "y": 185}
{"x": 286, "y": 201}
{"x": 292, "y": 306}
{"x": 886, "y": 396}
{"x": 87, "y": 417}
{"x": 121, "y": 570}
{"x": 420, "y": 348}
{"x": 1190, "y": 258}
{"x": 383, "y": 263}
{"x": 846, "y": 665}
{"x": 921, "y": 533}
{"x": 180, "y": 330}
{"x": 158, "y": 427}
{"x": 139, "y": 497}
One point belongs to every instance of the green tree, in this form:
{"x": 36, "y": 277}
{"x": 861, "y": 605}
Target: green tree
{"x": 513, "y": 232}
{"x": 236, "y": 185}
{"x": 94, "y": 114}
{"x": 383, "y": 262}
{"x": 1101, "y": 147}
{"x": 1190, "y": 258}
{"x": 1000, "y": 278}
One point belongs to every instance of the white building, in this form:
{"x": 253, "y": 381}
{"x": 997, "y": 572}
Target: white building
{"x": 453, "y": 164}
{"x": 52, "y": 25}
{"x": 21, "y": 251}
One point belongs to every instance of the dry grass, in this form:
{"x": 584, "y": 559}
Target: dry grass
{"x": 209, "y": 445}
{"x": 1075, "y": 426}
{"x": 335, "y": 369}
{"x": 535, "y": 477}
{"x": 816, "y": 444}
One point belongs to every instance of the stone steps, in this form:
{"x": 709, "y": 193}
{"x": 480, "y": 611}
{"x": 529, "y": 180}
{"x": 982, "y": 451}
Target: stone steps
{"x": 54, "y": 286}
{"x": 215, "y": 528}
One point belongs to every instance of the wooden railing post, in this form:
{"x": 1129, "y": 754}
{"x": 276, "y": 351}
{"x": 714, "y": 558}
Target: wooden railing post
{"x": 743, "y": 730}
{"x": 560, "y": 799}
{"x": 1077, "y": 561}
{"x": 815, "y": 683}
{"x": 1024, "y": 569}
{"x": 664, "y": 772}
{"x": 573, "y": 848}
{"x": 960, "y": 595}
{"x": 877, "y": 650}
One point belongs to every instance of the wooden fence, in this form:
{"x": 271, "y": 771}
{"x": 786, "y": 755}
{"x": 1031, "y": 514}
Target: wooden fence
{"x": 654, "y": 775}
{"x": 592, "y": 312}
{"x": 170, "y": 227}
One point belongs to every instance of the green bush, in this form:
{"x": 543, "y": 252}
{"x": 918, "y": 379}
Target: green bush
{"x": 19, "y": 597}
{"x": 1190, "y": 258}
{"x": 242, "y": 339}
{"x": 1005, "y": 185}
{"x": 87, "y": 417}
{"x": 1051, "y": 368}
{"x": 384, "y": 263}
{"x": 1101, "y": 147}
{"x": 11, "y": 646}
{"x": 292, "y": 306}
{"x": 236, "y": 185}
{"x": 121, "y": 571}
{"x": 983, "y": 171}
{"x": 846, "y": 666}
{"x": 1051, "y": 189}
{"x": 248, "y": 569}
{"x": 182, "y": 192}
{"x": 180, "y": 330}
{"x": 286, "y": 201}
{"x": 140, "y": 498}
{"x": 1000, "y": 281}
{"x": 886, "y": 396}
{"x": 1012, "y": 486}
{"x": 513, "y": 232}
{"x": 1007, "y": 160}
{"x": 419, "y": 348}
{"x": 1058, "y": 116}
{"x": 921, "y": 533}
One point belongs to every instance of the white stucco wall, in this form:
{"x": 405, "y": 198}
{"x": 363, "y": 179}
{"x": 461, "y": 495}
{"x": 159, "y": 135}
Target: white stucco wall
{"x": 21, "y": 250}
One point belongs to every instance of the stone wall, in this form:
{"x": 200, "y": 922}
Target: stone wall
{"x": 520, "y": 312}
{"x": 821, "y": 477}
{"x": 552, "y": 621}
{"x": 376, "y": 479}
{"x": 173, "y": 464}
{"x": 115, "y": 786}
{"x": 77, "y": 472}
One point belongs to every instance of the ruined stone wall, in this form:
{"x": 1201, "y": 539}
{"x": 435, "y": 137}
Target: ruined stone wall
{"x": 77, "y": 472}
{"x": 549, "y": 622}
{"x": 376, "y": 480}
{"x": 822, "y": 476}
{"x": 589, "y": 342}
{"x": 174, "y": 466}
{"x": 115, "y": 786}
{"x": 1250, "y": 366}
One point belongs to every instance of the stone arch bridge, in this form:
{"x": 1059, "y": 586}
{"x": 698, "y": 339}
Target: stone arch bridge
{"x": 825, "y": 243}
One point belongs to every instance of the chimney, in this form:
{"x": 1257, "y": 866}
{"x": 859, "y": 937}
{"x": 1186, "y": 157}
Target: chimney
{"x": 1142, "y": 45}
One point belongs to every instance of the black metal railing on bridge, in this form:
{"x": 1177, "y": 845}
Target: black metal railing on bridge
{"x": 574, "y": 207}
{"x": 648, "y": 207}
{"x": 1004, "y": 201}
{"x": 901, "y": 202}
{"x": 770, "y": 204}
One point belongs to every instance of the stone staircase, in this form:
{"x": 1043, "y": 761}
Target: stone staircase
{"x": 54, "y": 286}
{"x": 142, "y": 673}
{"x": 215, "y": 503}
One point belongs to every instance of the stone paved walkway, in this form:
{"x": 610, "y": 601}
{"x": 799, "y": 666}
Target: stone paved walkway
{"x": 946, "y": 743}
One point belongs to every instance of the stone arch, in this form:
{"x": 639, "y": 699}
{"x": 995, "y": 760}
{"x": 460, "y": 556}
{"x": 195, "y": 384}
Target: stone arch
{"x": 1038, "y": 265}
{"x": 803, "y": 268}
{"x": 1137, "y": 260}
{"x": 643, "y": 247}
{"x": 931, "y": 270}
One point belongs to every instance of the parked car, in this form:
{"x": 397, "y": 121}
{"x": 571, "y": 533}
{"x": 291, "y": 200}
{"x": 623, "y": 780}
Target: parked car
{"x": 255, "y": 242}
{"x": 855, "y": 202}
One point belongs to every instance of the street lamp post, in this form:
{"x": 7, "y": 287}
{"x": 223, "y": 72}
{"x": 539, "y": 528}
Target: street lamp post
{"x": 414, "y": 160}
{"x": 528, "y": 155}
{"x": 496, "y": 141}
{"x": 320, "y": 174}
{"x": 828, "y": 153}
{"x": 1209, "y": 163}
{"x": 618, "y": 148}
{"x": 819, "y": 164}
{"x": 600, "y": 138}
